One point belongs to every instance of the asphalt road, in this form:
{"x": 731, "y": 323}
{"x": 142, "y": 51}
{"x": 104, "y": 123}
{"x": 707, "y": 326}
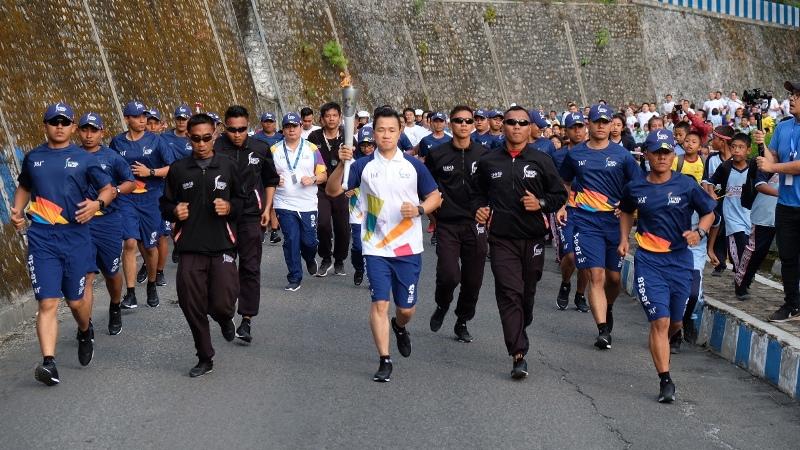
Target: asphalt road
{"x": 305, "y": 382}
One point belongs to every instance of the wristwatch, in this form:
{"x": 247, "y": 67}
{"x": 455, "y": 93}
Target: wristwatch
{"x": 421, "y": 210}
{"x": 152, "y": 172}
{"x": 118, "y": 191}
{"x": 701, "y": 232}
{"x": 102, "y": 203}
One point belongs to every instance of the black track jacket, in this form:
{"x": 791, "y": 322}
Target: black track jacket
{"x": 453, "y": 169}
{"x": 256, "y": 172}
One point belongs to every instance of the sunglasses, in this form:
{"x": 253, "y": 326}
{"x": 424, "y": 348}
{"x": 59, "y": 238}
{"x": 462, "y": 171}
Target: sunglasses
{"x": 195, "y": 138}
{"x": 460, "y": 120}
{"x": 235, "y": 130}
{"x": 514, "y": 122}
{"x": 56, "y": 121}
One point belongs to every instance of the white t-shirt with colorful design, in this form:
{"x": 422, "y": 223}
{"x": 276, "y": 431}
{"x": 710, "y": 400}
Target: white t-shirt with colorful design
{"x": 292, "y": 165}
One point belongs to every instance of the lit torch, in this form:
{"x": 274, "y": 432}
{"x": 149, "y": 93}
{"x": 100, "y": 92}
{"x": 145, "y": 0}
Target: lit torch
{"x": 349, "y": 112}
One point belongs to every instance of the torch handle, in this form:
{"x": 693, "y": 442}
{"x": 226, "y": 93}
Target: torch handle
{"x": 349, "y": 113}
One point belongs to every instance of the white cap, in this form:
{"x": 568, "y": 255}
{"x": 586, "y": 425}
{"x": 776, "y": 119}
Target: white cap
{"x": 362, "y": 115}
{"x": 418, "y": 112}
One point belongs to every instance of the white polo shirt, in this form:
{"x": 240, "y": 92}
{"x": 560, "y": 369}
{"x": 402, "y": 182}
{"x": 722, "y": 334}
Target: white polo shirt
{"x": 384, "y": 185}
{"x": 292, "y": 165}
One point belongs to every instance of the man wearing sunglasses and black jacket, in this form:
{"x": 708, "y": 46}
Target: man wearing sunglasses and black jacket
{"x": 452, "y": 165}
{"x": 258, "y": 178}
{"x": 513, "y": 190}
{"x": 203, "y": 198}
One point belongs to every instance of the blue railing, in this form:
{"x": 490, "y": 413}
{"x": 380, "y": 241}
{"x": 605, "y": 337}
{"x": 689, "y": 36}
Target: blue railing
{"x": 758, "y": 10}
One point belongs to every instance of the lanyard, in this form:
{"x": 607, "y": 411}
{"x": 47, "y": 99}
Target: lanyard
{"x": 293, "y": 167}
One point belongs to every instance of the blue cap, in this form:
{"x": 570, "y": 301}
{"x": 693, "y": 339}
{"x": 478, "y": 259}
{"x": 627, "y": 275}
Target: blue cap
{"x": 480, "y": 113}
{"x": 659, "y": 140}
{"x": 600, "y": 112}
{"x": 154, "y": 114}
{"x": 365, "y": 134}
{"x": 574, "y": 118}
{"x": 134, "y": 109}
{"x": 214, "y": 116}
{"x": 268, "y": 116}
{"x": 536, "y": 118}
{"x": 437, "y": 116}
{"x": 59, "y": 110}
{"x": 494, "y": 113}
{"x": 291, "y": 117}
{"x": 183, "y": 111}
{"x": 92, "y": 119}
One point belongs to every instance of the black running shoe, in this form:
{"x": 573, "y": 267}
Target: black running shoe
{"x": 292, "y": 287}
{"x": 114, "y": 319}
{"x": 384, "y": 373}
{"x": 86, "y": 346}
{"x": 338, "y": 269}
{"x": 202, "y": 368}
{"x": 520, "y": 368}
{"x": 142, "y": 274}
{"x": 562, "y": 301}
{"x": 437, "y": 319}
{"x": 47, "y": 374}
{"x": 243, "y": 332}
{"x": 228, "y": 329}
{"x": 741, "y": 293}
{"x": 785, "y": 313}
{"x": 273, "y": 237}
{"x": 358, "y": 277}
{"x": 160, "y": 279}
{"x": 312, "y": 267}
{"x": 152, "y": 296}
{"x": 603, "y": 341}
{"x": 403, "y": 339}
{"x": 324, "y": 268}
{"x": 580, "y": 303}
{"x": 129, "y": 301}
{"x": 675, "y": 343}
{"x": 667, "y": 392}
{"x": 461, "y": 331}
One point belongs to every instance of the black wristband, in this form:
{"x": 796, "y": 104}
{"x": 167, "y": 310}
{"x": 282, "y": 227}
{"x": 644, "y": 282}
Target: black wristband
{"x": 421, "y": 210}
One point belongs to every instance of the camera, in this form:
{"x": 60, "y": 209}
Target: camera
{"x": 754, "y": 97}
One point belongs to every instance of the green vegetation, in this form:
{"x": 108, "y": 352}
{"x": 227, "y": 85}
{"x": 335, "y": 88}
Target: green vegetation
{"x": 490, "y": 15}
{"x": 417, "y": 6}
{"x": 334, "y": 54}
{"x": 585, "y": 61}
{"x": 602, "y": 38}
{"x": 422, "y": 49}
{"x": 608, "y": 2}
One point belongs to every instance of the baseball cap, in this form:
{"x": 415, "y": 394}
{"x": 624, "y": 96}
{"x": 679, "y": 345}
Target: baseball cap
{"x": 418, "y": 112}
{"x": 437, "y": 116}
{"x": 536, "y": 117}
{"x": 362, "y": 115}
{"x": 291, "y": 117}
{"x": 600, "y": 112}
{"x": 267, "y": 117}
{"x": 492, "y": 113}
{"x": 658, "y": 140}
{"x": 183, "y": 111}
{"x": 792, "y": 86}
{"x": 366, "y": 134}
{"x": 134, "y": 109}
{"x": 214, "y": 116}
{"x": 480, "y": 113}
{"x": 59, "y": 110}
{"x": 574, "y": 118}
{"x": 92, "y": 119}
{"x": 154, "y": 114}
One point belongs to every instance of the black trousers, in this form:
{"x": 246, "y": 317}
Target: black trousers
{"x": 787, "y": 235}
{"x": 333, "y": 226}
{"x": 461, "y": 252}
{"x": 721, "y": 245}
{"x": 753, "y": 255}
{"x": 736, "y": 244}
{"x": 517, "y": 267}
{"x": 248, "y": 238}
{"x": 206, "y": 285}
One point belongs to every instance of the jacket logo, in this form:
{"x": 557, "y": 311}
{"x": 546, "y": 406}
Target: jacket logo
{"x": 251, "y": 160}
{"x": 474, "y": 167}
{"x": 70, "y": 164}
{"x": 146, "y": 151}
{"x": 188, "y": 185}
{"x": 673, "y": 200}
{"x": 448, "y": 168}
{"x": 227, "y": 258}
{"x": 537, "y": 250}
{"x": 528, "y": 173}
{"x": 495, "y": 175}
{"x": 219, "y": 184}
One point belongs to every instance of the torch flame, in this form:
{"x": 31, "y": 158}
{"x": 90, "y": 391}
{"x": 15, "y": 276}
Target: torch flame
{"x": 346, "y": 81}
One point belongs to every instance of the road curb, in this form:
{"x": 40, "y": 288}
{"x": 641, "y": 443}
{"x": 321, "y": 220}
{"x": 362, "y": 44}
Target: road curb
{"x": 759, "y": 347}
{"x": 11, "y": 316}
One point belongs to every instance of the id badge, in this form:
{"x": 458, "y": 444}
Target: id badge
{"x": 294, "y": 178}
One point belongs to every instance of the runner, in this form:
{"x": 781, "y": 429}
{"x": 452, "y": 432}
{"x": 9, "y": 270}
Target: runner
{"x": 55, "y": 181}
{"x": 392, "y": 185}
{"x": 149, "y": 157}
{"x": 461, "y": 243}
{"x": 538, "y": 125}
{"x": 412, "y": 129}
{"x": 203, "y": 197}
{"x": 665, "y": 201}
{"x": 106, "y": 226}
{"x": 436, "y": 138}
{"x": 597, "y": 171}
{"x": 268, "y": 132}
{"x": 255, "y": 171}
{"x": 301, "y": 169}
{"x": 575, "y": 126}
{"x": 307, "y": 116}
{"x": 514, "y": 188}
{"x": 366, "y": 146}
{"x": 481, "y": 134}
{"x": 154, "y": 121}
{"x": 496, "y": 127}
{"x": 333, "y": 226}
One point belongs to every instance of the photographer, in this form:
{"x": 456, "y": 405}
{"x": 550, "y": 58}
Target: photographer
{"x": 782, "y": 159}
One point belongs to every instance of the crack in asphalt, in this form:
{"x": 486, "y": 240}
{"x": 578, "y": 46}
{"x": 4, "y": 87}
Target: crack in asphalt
{"x": 607, "y": 420}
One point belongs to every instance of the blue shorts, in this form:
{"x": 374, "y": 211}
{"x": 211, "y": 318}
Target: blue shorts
{"x": 141, "y": 218}
{"x": 596, "y": 238}
{"x": 59, "y": 257}
{"x": 566, "y": 243}
{"x": 663, "y": 283}
{"x": 107, "y": 239}
{"x": 166, "y": 228}
{"x": 397, "y": 275}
